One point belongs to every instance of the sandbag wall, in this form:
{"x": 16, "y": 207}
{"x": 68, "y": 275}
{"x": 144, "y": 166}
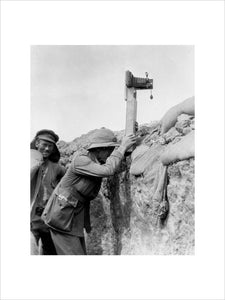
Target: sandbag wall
{"x": 123, "y": 215}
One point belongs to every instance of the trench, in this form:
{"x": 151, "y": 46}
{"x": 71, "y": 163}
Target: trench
{"x": 120, "y": 207}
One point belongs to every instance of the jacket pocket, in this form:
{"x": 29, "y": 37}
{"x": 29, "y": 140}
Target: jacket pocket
{"x": 59, "y": 213}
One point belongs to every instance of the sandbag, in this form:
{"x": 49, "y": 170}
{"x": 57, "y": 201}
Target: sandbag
{"x": 183, "y": 149}
{"x": 34, "y": 248}
{"x": 145, "y": 160}
{"x": 170, "y": 118}
{"x": 36, "y": 159}
{"x": 139, "y": 158}
{"x": 161, "y": 204}
{"x": 160, "y": 183}
{"x": 188, "y": 106}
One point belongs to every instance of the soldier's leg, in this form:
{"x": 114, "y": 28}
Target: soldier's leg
{"x": 66, "y": 244}
{"x": 82, "y": 241}
{"x": 48, "y": 247}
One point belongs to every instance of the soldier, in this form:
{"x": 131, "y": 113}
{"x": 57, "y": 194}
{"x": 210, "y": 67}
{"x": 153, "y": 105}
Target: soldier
{"x": 67, "y": 212}
{"x": 45, "y": 174}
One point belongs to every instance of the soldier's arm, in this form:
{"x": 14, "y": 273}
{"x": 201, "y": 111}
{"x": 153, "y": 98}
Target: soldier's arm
{"x": 83, "y": 165}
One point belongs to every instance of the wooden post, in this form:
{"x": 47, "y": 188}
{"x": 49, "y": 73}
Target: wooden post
{"x": 131, "y": 85}
{"x": 131, "y": 110}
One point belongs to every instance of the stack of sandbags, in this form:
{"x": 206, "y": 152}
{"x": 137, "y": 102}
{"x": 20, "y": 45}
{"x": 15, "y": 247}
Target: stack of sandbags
{"x": 170, "y": 118}
{"x": 185, "y": 147}
{"x": 181, "y": 150}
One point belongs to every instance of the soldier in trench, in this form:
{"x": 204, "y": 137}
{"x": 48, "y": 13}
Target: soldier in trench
{"x": 67, "y": 211}
{"x": 46, "y": 172}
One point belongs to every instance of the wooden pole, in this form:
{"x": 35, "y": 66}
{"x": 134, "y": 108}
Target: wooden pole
{"x": 131, "y": 85}
{"x": 131, "y": 110}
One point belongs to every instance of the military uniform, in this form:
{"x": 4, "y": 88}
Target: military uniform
{"x": 42, "y": 186}
{"x": 45, "y": 174}
{"x": 82, "y": 181}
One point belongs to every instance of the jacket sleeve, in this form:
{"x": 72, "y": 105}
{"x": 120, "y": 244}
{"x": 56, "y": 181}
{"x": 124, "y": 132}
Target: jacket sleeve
{"x": 60, "y": 172}
{"x": 83, "y": 165}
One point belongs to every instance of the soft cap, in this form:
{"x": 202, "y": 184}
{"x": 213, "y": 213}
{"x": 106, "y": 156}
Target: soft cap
{"x": 47, "y": 135}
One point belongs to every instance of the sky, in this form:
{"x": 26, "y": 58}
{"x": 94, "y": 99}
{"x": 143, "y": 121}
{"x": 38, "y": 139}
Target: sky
{"x": 75, "y": 89}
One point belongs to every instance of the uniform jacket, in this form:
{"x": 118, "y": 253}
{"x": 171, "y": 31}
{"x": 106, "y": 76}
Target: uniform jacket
{"x": 44, "y": 179}
{"x": 82, "y": 182}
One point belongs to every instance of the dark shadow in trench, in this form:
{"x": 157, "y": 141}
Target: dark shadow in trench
{"x": 98, "y": 222}
{"x": 120, "y": 206}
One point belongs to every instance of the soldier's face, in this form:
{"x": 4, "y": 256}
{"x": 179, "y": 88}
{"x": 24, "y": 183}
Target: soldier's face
{"x": 104, "y": 153}
{"x": 46, "y": 148}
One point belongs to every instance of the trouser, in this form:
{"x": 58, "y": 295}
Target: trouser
{"x": 47, "y": 245}
{"x": 66, "y": 244}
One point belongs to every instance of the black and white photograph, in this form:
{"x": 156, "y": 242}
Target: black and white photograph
{"x": 112, "y": 154}
{"x": 112, "y": 150}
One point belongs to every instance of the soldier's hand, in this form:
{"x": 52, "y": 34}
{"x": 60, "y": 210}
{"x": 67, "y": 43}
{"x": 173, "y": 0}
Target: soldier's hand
{"x": 128, "y": 141}
{"x": 136, "y": 127}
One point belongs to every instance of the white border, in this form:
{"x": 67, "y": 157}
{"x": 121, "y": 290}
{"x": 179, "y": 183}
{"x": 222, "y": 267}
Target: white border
{"x": 198, "y": 23}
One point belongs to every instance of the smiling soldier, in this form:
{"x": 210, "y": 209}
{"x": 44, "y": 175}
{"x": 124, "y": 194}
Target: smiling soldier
{"x": 46, "y": 172}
